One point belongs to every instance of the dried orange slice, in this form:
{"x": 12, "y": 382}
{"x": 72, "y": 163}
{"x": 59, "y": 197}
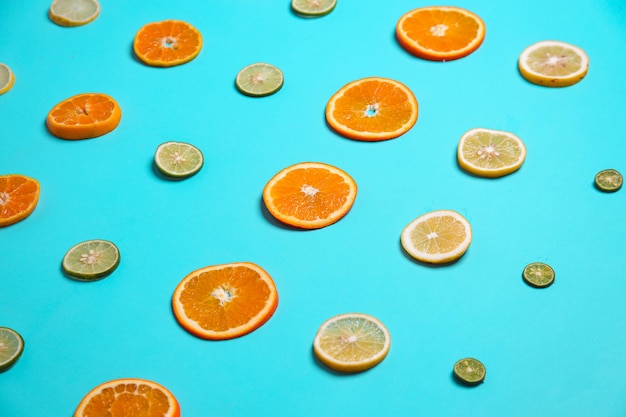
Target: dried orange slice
{"x": 372, "y": 109}
{"x": 84, "y": 116}
{"x": 440, "y": 33}
{"x": 310, "y": 195}
{"x": 19, "y": 195}
{"x": 128, "y": 397}
{"x": 225, "y": 301}
{"x": 167, "y": 43}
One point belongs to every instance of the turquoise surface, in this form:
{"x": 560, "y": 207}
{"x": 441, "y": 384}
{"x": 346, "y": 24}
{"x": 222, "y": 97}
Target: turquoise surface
{"x": 558, "y": 351}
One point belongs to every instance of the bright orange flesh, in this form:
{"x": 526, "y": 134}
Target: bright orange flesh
{"x": 167, "y": 43}
{"x": 84, "y": 116}
{"x": 372, "y": 109}
{"x": 225, "y": 301}
{"x": 19, "y": 195}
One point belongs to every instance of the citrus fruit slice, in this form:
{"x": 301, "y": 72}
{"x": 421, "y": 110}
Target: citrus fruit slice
{"x": 178, "y": 159}
{"x": 11, "y": 347}
{"x": 7, "y": 78}
{"x": 538, "y": 274}
{"x": 372, "y": 109}
{"x": 128, "y": 397}
{"x": 19, "y": 195}
{"x": 490, "y": 153}
{"x": 73, "y": 12}
{"x": 310, "y": 195}
{"x": 470, "y": 371}
{"x": 352, "y": 342}
{"x": 167, "y": 43}
{"x": 91, "y": 260}
{"x": 608, "y": 180}
{"x": 440, "y": 33}
{"x": 259, "y": 80}
{"x": 312, "y": 8}
{"x": 225, "y": 301}
{"x": 437, "y": 237}
{"x": 553, "y": 64}
{"x": 84, "y": 116}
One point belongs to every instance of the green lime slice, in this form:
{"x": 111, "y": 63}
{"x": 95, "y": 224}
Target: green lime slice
{"x": 538, "y": 275}
{"x": 258, "y": 80}
{"x": 608, "y": 180}
{"x": 91, "y": 260}
{"x": 313, "y": 8}
{"x": 469, "y": 371}
{"x": 178, "y": 159}
{"x": 11, "y": 347}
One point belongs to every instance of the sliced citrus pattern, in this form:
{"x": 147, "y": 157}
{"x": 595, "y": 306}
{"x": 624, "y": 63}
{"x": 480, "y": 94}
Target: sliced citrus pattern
{"x": 313, "y": 8}
{"x": 469, "y": 371}
{"x": 352, "y": 342}
{"x": 7, "y": 78}
{"x": 440, "y": 33}
{"x": 608, "y": 180}
{"x": 178, "y": 159}
{"x": 73, "y": 12}
{"x": 225, "y": 301}
{"x": 437, "y": 237}
{"x": 310, "y": 195}
{"x": 490, "y": 153}
{"x": 553, "y": 64}
{"x": 11, "y": 347}
{"x": 372, "y": 109}
{"x": 167, "y": 43}
{"x": 91, "y": 260}
{"x": 84, "y": 116}
{"x": 128, "y": 397}
{"x": 259, "y": 80}
{"x": 19, "y": 195}
{"x": 538, "y": 274}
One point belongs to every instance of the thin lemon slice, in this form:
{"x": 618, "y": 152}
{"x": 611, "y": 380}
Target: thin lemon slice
{"x": 608, "y": 180}
{"x": 259, "y": 80}
{"x": 178, "y": 159}
{"x": 352, "y": 342}
{"x": 553, "y": 64}
{"x": 490, "y": 153}
{"x": 469, "y": 371}
{"x": 437, "y": 237}
{"x": 312, "y": 8}
{"x": 7, "y": 78}
{"x": 538, "y": 274}
{"x": 73, "y": 12}
{"x": 91, "y": 260}
{"x": 11, "y": 347}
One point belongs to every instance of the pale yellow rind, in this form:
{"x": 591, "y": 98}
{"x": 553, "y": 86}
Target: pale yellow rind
{"x": 551, "y": 80}
{"x": 496, "y": 172}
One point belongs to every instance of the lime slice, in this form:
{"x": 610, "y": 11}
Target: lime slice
{"x": 7, "y": 78}
{"x": 91, "y": 260}
{"x": 469, "y": 371}
{"x": 11, "y": 347}
{"x": 73, "y": 12}
{"x": 313, "y": 8}
{"x": 178, "y": 159}
{"x": 538, "y": 275}
{"x": 608, "y": 180}
{"x": 258, "y": 80}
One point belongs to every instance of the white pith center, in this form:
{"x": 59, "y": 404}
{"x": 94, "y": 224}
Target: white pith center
{"x": 257, "y": 78}
{"x": 439, "y": 30}
{"x": 169, "y": 42}
{"x": 488, "y": 151}
{"x": 371, "y": 110}
{"x": 178, "y": 158}
{"x": 314, "y": 3}
{"x": 90, "y": 258}
{"x": 4, "y": 198}
{"x": 309, "y": 190}
{"x": 555, "y": 60}
{"x": 223, "y": 295}
{"x": 432, "y": 235}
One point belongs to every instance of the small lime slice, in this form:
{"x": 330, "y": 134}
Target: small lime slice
{"x": 91, "y": 260}
{"x": 73, "y": 12}
{"x": 538, "y": 275}
{"x": 608, "y": 180}
{"x": 258, "y": 80}
{"x": 470, "y": 371}
{"x": 178, "y": 159}
{"x": 312, "y": 8}
{"x": 11, "y": 347}
{"x": 7, "y": 78}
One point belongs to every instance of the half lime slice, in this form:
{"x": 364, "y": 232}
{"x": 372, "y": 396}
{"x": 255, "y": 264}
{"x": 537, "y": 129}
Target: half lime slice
{"x": 313, "y": 8}
{"x": 178, "y": 159}
{"x": 469, "y": 371}
{"x": 259, "y": 80}
{"x": 11, "y": 347}
{"x": 608, "y": 180}
{"x": 538, "y": 274}
{"x": 91, "y": 260}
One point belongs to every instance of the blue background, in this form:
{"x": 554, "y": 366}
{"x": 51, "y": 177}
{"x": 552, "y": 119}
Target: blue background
{"x": 559, "y": 351}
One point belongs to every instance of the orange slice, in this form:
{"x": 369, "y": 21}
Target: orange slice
{"x": 128, "y": 397}
{"x": 225, "y": 301}
{"x": 440, "y": 33}
{"x": 19, "y": 195}
{"x": 167, "y": 43}
{"x": 84, "y": 116}
{"x": 372, "y": 109}
{"x": 310, "y": 195}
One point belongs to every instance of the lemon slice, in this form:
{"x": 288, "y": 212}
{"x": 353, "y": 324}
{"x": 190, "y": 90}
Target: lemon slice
{"x": 11, "y": 347}
{"x": 351, "y": 342}
{"x": 490, "y": 153}
{"x": 73, "y": 12}
{"x": 7, "y": 78}
{"x": 312, "y": 8}
{"x": 178, "y": 159}
{"x": 553, "y": 64}
{"x": 91, "y": 260}
{"x": 469, "y": 371}
{"x": 538, "y": 274}
{"x": 608, "y": 180}
{"x": 259, "y": 80}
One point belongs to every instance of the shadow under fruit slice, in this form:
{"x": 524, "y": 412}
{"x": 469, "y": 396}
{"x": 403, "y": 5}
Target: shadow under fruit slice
{"x": 19, "y": 195}
{"x": 84, "y": 116}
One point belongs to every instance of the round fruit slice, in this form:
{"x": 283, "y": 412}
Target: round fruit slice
{"x": 178, "y": 159}
{"x": 128, "y": 397}
{"x": 7, "y": 78}
{"x": 553, "y": 64}
{"x": 372, "y": 109}
{"x": 84, "y": 116}
{"x": 11, "y": 347}
{"x": 19, "y": 195}
{"x": 352, "y": 342}
{"x": 490, "y": 153}
{"x": 538, "y": 274}
{"x": 225, "y": 301}
{"x": 313, "y": 8}
{"x": 437, "y": 237}
{"x": 470, "y": 371}
{"x": 91, "y": 260}
{"x": 259, "y": 80}
{"x": 608, "y": 180}
{"x": 73, "y": 12}
{"x": 167, "y": 43}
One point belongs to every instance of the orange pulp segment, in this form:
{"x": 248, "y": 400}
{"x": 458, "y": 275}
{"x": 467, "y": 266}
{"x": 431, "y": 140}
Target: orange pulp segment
{"x": 167, "y": 43}
{"x": 19, "y": 195}
{"x": 84, "y": 116}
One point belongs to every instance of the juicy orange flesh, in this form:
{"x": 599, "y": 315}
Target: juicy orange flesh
{"x": 554, "y": 61}
{"x": 440, "y": 30}
{"x": 85, "y": 109}
{"x": 17, "y": 195}
{"x": 122, "y": 400}
{"x": 167, "y": 41}
{"x": 491, "y": 151}
{"x": 352, "y": 339}
{"x": 438, "y": 235}
{"x": 222, "y": 299}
